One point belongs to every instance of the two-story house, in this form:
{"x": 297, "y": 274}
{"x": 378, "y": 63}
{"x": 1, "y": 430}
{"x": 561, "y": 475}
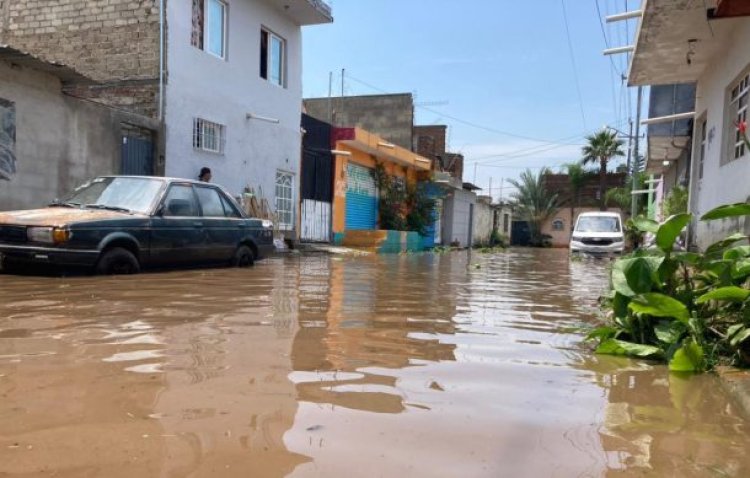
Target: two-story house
{"x": 701, "y": 46}
{"x": 224, "y": 77}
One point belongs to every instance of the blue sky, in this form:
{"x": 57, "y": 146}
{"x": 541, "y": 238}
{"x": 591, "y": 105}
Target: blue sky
{"x": 499, "y": 73}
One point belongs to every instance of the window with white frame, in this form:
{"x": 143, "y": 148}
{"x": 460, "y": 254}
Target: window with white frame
{"x": 738, "y": 114}
{"x": 209, "y": 26}
{"x": 208, "y": 136}
{"x": 285, "y": 200}
{"x": 272, "y": 58}
{"x": 702, "y": 150}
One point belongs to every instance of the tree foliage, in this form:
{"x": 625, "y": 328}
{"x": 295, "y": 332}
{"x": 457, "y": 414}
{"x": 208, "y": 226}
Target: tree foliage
{"x": 600, "y": 148}
{"x": 403, "y": 206}
{"x": 534, "y": 203}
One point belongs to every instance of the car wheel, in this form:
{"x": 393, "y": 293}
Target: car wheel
{"x": 243, "y": 257}
{"x": 118, "y": 261}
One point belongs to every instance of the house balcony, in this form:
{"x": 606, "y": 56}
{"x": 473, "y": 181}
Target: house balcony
{"x": 677, "y": 41}
{"x": 305, "y": 12}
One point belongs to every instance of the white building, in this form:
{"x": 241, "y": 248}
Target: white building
{"x": 704, "y": 43}
{"x": 234, "y": 94}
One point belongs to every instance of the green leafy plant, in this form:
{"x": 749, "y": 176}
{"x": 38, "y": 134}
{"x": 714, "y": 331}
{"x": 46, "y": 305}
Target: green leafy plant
{"x": 688, "y": 309}
{"x": 403, "y": 206}
{"x": 499, "y": 240}
{"x": 676, "y": 201}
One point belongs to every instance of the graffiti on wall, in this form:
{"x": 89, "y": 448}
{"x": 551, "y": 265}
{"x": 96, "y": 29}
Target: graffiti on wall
{"x": 7, "y": 139}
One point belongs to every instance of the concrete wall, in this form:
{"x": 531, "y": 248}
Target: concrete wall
{"x": 389, "y": 116}
{"x": 504, "y": 223}
{"x": 112, "y": 41}
{"x": 60, "y": 141}
{"x": 724, "y": 181}
{"x": 484, "y": 219}
{"x": 255, "y": 149}
{"x": 457, "y": 211}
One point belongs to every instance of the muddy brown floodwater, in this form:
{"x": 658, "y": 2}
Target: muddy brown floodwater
{"x": 451, "y": 365}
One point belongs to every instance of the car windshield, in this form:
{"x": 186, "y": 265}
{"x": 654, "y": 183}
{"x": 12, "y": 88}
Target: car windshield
{"x": 125, "y": 194}
{"x": 598, "y": 224}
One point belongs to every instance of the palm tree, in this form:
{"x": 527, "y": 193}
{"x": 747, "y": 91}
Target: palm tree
{"x": 534, "y": 202}
{"x": 578, "y": 176}
{"x": 601, "y": 147}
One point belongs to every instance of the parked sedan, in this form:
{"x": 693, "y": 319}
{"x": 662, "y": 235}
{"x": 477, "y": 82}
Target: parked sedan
{"x": 120, "y": 224}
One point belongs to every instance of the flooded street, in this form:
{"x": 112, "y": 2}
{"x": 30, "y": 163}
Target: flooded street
{"x": 420, "y": 365}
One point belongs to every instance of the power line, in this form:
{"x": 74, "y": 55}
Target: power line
{"x": 606, "y": 42}
{"x": 573, "y": 62}
{"x": 456, "y": 119}
{"x": 534, "y": 150}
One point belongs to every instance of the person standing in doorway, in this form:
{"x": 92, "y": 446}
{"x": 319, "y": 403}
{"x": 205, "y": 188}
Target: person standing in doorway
{"x": 205, "y": 175}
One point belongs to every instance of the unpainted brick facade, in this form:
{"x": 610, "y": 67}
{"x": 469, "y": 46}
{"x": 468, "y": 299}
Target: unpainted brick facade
{"x": 429, "y": 140}
{"x": 114, "y": 42}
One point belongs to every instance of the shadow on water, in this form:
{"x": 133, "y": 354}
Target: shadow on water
{"x": 428, "y": 365}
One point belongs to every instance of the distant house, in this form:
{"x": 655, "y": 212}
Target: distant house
{"x": 559, "y": 227}
{"x": 391, "y": 117}
{"x": 705, "y": 45}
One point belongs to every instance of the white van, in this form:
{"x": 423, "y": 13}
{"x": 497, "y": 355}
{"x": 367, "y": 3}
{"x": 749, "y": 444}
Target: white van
{"x": 598, "y": 233}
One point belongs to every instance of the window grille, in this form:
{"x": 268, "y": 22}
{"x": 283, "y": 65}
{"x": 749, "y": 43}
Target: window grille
{"x": 208, "y": 136}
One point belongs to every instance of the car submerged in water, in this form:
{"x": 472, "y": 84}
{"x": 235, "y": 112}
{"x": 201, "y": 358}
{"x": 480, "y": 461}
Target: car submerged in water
{"x": 121, "y": 224}
{"x": 598, "y": 233}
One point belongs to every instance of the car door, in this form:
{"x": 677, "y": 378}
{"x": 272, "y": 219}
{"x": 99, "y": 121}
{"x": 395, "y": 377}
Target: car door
{"x": 177, "y": 233}
{"x": 222, "y": 234}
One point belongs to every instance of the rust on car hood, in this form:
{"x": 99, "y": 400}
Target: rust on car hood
{"x": 56, "y": 216}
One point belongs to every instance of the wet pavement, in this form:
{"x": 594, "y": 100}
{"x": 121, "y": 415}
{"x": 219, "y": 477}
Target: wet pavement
{"x": 419, "y": 365}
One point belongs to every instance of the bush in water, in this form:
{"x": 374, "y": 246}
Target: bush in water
{"x": 689, "y": 310}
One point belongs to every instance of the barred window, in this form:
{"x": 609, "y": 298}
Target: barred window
{"x": 738, "y": 111}
{"x": 208, "y": 136}
{"x": 285, "y": 200}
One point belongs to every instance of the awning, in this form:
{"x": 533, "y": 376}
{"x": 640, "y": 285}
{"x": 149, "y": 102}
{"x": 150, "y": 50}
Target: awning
{"x": 663, "y": 149}
{"x": 359, "y": 139}
{"x": 305, "y": 12}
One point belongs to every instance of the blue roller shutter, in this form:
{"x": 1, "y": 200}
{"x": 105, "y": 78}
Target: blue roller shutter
{"x": 361, "y": 199}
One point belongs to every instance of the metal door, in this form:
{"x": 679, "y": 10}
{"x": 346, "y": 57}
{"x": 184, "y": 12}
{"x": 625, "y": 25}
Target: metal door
{"x": 137, "y": 156}
{"x": 316, "y": 221}
{"x": 361, "y": 198}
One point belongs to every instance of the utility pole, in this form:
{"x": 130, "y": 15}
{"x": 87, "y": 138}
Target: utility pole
{"x": 630, "y": 146}
{"x": 475, "y": 172}
{"x": 502, "y": 182}
{"x": 491, "y": 190}
{"x": 634, "y": 202}
{"x": 343, "y": 75}
{"x": 330, "y": 94}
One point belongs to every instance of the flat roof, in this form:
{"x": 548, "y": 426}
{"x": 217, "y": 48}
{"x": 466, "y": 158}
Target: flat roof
{"x": 65, "y": 73}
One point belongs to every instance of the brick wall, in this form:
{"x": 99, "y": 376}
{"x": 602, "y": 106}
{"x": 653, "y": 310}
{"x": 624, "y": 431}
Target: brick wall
{"x": 115, "y": 42}
{"x": 430, "y": 140}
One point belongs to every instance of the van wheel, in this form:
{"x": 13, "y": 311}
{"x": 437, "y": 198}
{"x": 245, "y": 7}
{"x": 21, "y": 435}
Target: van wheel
{"x": 118, "y": 261}
{"x": 243, "y": 257}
